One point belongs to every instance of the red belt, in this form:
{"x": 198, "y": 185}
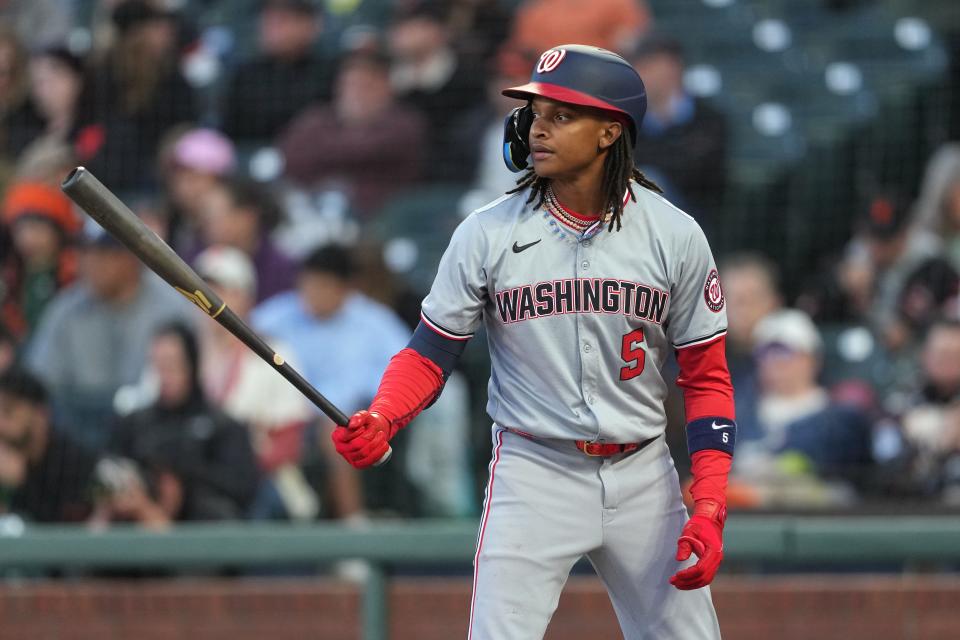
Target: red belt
{"x": 610, "y": 449}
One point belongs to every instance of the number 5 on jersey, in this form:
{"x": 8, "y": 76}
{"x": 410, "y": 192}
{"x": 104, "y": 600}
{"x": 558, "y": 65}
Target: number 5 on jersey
{"x": 633, "y": 354}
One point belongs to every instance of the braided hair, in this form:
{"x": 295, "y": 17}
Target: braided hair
{"x": 618, "y": 170}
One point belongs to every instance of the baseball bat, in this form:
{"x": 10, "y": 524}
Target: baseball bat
{"x": 103, "y": 206}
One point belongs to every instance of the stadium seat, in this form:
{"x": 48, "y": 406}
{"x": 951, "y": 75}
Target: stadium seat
{"x": 424, "y": 219}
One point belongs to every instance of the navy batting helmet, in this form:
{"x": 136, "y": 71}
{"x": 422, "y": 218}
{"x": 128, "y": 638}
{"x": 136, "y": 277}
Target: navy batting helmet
{"x": 577, "y": 74}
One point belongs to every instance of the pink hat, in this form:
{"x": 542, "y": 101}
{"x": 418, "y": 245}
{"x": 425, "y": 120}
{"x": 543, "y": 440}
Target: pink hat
{"x": 205, "y": 150}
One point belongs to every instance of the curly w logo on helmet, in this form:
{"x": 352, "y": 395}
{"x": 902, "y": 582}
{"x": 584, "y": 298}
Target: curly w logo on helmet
{"x": 550, "y": 60}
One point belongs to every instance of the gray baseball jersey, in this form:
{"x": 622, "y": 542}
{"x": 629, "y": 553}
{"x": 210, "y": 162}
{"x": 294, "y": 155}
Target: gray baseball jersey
{"x": 579, "y": 325}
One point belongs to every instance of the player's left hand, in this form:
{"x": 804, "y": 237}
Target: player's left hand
{"x": 703, "y": 536}
{"x": 365, "y": 439}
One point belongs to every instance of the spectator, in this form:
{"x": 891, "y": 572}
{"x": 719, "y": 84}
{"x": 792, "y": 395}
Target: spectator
{"x": 250, "y": 391}
{"x": 936, "y": 213}
{"x": 751, "y": 284}
{"x": 44, "y": 475}
{"x": 46, "y": 160}
{"x": 193, "y": 462}
{"x": 8, "y": 349}
{"x": 479, "y": 27}
{"x": 682, "y": 137}
{"x": 135, "y": 94}
{"x": 929, "y": 292}
{"x": 794, "y": 426}
{"x": 845, "y": 289}
{"x": 329, "y": 325}
{"x": 429, "y": 74}
{"x": 931, "y": 423}
{"x": 346, "y": 146}
{"x": 879, "y": 261}
{"x": 266, "y": 92}
{"x": 241, "y": 213}
{"x": 478, "y": 140}
{"x": 381, "y": 283}
{"x": 43, "y": 226}
{"x": 838, "y": 290}
{"x": 42, "y": 22}
{"x": 20, "y": 122}
{"x": 56, "y": 81}
{"x": 195, "y": 162}
{"x": 93, "y": 336}
{"x": 610, "y": 24}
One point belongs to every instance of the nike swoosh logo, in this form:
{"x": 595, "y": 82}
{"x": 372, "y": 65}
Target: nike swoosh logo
{"x": 517, "y": 248}
{"x": 719, "y": 426}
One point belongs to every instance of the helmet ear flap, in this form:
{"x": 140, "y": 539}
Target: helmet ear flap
{"x": 516, "y": 135}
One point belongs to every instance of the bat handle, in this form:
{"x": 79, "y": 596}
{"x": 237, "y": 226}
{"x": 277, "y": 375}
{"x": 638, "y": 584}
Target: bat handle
{"x": 339, "y": 417}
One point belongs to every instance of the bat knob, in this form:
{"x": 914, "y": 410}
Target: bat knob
{"x": 384, "y": 458}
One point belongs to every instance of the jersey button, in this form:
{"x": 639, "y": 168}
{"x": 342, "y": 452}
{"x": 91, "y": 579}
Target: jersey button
{"x": 591, "y": 399}
{"x": 586, "y": 243}
{"x": 585, "y": 264}
{"x": 586, "y": 348}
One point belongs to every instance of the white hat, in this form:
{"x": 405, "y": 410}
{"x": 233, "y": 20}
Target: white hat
{"x": 789, "y": 328}
{"x": 228, "y": 267}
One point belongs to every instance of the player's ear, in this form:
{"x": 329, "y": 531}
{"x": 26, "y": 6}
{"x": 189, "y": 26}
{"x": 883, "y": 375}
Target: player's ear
{"x": 609, "y": 133}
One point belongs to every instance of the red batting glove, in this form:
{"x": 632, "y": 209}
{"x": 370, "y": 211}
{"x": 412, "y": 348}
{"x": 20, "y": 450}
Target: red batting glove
{"x": 702, "y": 535}
{"x": 364, "y": 441}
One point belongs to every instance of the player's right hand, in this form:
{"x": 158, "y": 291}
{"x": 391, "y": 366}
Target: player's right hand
{"x": 365, "y": 439}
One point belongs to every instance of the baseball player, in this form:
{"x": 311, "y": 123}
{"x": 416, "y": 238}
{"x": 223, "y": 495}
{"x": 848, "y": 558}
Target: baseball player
{"x": 585, "y": 279}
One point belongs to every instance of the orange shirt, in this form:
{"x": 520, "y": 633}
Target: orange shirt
{"x": 611, "y": 24}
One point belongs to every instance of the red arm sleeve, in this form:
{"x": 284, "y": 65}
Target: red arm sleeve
{"x": 707, "y": 396}
{"x": 710, "y": 470}
{"x": 409, "y": 385}
{"x": 711, "y": 430}
{"x": 705, "y": 380}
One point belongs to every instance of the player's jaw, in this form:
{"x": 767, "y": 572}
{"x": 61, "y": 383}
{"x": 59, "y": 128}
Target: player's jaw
{"x": 565, "y": 139}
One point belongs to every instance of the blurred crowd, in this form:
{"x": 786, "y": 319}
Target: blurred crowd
{"x": 284, "y": 155}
